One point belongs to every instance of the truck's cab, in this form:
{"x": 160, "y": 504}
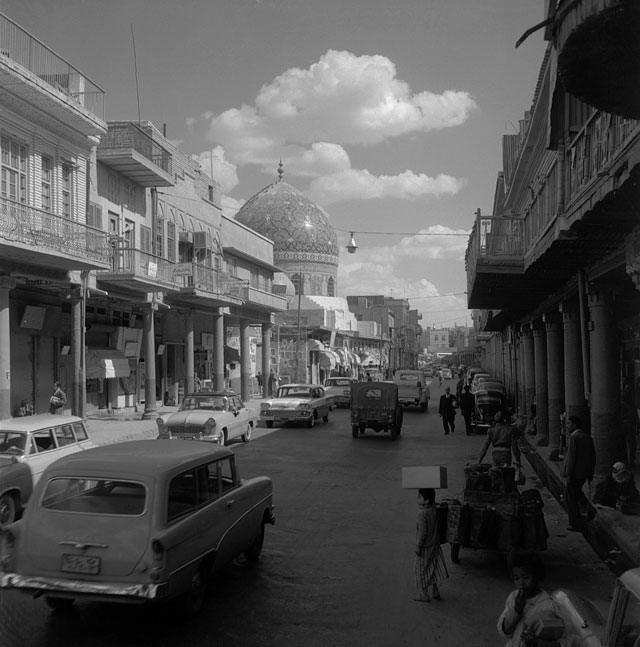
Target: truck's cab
{"x": 413, "y": 388}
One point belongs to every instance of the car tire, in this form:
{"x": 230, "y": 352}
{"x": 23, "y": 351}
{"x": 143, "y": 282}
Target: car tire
{"x": 222, "y": 438}
{"x": 253, "y": 552}
{"x": 269, "y": 423}
{"x": 325, "y": 418}
{"x": 191, "y": 602}
{"x": 246, "y": 436}
{"x": 312, "y": 421}
{"x": 59, "y": 604}
{"x": 8, "y": 510}
{"x": 354, "y": 430}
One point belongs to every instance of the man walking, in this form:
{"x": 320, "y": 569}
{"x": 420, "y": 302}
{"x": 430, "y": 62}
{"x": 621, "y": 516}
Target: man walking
{"x": 467, "y": 407}
{"x": 447, "y": 411}
{"x": 579, "y": 467}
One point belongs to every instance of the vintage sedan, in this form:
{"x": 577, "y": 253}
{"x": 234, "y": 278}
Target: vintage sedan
{"x": 339, "y": 388}
{"x": 305, "y": 403}
{"x": 27, "y": 446}
{"x": 214, "y": 416}
{"x": 138, "y": 522}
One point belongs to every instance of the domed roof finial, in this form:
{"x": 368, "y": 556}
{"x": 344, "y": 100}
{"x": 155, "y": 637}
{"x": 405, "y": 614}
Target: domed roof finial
{"x": 280, "y": 171}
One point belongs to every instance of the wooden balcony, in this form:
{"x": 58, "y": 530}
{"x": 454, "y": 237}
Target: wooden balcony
{"x": 599, "y": 53}
{"x": 134, "y": 153}
{"x": 45, "y": 242}
{"x": 580, "y": 211}
{"x": 263, "y": 300}
{"x": 38, "y": 84}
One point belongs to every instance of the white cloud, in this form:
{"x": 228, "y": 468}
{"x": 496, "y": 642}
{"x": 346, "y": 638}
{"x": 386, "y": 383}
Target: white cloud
{"x": 436, "y": 243}
{"x": 342, "y": 98}
{"x": 214, "y": 164}
{"x": 353, "y": 184}
{"x": 230, "y": 206}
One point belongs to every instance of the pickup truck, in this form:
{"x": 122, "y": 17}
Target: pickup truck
{"x": 413, "y": 388}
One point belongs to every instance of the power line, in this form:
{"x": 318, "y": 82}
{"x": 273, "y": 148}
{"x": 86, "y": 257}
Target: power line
{"x": 400, "y": 233}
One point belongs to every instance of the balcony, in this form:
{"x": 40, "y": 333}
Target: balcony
{"x": 38, "y": 84}
{"x": 137, "y": 272}
{"x": 31, "y": 237}
{"x": 133, "y": 152}
{"x": 579, "y": 212}
{"x": 599, "y": 53}
{"x": 263, "y": 300}
{"x": 206, "y": 287}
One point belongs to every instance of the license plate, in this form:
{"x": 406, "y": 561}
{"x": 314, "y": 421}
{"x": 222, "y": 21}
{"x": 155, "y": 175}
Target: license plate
{"x": 80, "y": 564}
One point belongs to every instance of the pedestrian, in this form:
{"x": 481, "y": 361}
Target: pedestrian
{"x": 618, "y": 484}
{"x": 447, "y": 411}
{"x": 430, "y": 567}
{"x": 459, "y": 387}
{"x": 197, "y": 383}
{"x": 58, "y": 398}
{"x": 369, "y": 378}
{"x": 259, "y": 379}
{"x": 25, "y": 409}
{"x": 528, "y": 603}
{"x": 503, "y": 438}
{"x": 579, "y": 466}
{"x": 273, "y": 383}
{"x": 467, "y": 407}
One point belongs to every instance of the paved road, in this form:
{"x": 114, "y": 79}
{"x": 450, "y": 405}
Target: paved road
{"x": 337, "y": 566}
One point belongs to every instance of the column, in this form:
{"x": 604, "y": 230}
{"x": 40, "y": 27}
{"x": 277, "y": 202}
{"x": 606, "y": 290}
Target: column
{"x": 528, "y": 368}
{"x": 605, "y": 397}
{"x": 245, "y": 360}
{"x": 189, "y": 368}
{"x": 555, "y": 380}
{"x": 574, "y": 400}
{"x": 6, "y": 284}
{"x": 218, "y": 351}
{"x": 542, "y": 395}
{"x": 149, "y": 344}
{"x": 266, "y": 358}
{"x": 77, "y": 350}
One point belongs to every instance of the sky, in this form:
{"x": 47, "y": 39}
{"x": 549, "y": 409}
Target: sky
{"x": 388, "y": 115}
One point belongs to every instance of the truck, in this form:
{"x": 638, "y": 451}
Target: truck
{"x": 413, "y": 388}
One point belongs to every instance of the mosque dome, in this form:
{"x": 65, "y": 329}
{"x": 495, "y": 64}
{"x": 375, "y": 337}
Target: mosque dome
{"x": 297, "y": 227}
{"x": 305, "y": 245}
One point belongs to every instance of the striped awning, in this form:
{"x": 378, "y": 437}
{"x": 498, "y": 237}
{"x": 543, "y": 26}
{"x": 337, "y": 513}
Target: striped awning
{"x": 328, "y": 359}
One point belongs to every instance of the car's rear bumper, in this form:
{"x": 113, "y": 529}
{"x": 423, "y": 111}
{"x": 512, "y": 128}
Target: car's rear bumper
{"x": 116, "y": 591}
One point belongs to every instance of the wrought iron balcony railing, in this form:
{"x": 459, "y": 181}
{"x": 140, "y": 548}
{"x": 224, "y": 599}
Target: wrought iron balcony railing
{"x": 131, "y": 136}
{"x": 129, "y": 261}
{"x": 21, "y": 47}
{"x": 492, "y": 237}
{"x": 46, "y": 231}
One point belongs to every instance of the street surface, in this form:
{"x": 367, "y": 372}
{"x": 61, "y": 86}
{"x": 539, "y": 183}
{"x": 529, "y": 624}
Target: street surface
{"x": 337, "y": 568}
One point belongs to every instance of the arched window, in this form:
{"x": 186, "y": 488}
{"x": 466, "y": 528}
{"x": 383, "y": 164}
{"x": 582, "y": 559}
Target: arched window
{"x": 296, "y": 279}
{"x": 331, "y": 287}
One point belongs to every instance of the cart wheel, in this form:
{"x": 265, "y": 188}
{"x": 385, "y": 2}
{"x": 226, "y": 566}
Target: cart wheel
{"x": 362, "y": 428}
{"x": 455, "y": 553}
{"x": 354, "y": 431}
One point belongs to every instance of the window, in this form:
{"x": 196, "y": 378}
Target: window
{"x": 94, "y": 215}
{"x": 171, "y": 241}
{"x": 145, "y": 239}
{"x": 232, "y": 266}
{"x": 331, "y": 287}
{"x": 95, "y": 496}
{"x": 159, "y": 250}
{"x": 66, "y": 191}
{"x": 13, "y": 173}
{"x": 45, "y": 184}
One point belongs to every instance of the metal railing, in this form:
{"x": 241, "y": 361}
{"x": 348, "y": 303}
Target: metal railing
{"x": 493, "y": 236}
{"x": 21, "y": 47}
{"x": 47, "y": 231}
{"x": 130, "y": 135}
{"x": 127, "y": 260}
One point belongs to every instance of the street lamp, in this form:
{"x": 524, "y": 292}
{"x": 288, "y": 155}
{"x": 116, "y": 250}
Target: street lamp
{"x": 351, "y": 247}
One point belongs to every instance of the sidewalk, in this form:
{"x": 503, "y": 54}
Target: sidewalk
{"x": 614, "y": 536}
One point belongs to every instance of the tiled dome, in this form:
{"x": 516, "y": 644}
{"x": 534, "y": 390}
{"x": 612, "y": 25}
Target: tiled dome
{"x": 298, "y": 228}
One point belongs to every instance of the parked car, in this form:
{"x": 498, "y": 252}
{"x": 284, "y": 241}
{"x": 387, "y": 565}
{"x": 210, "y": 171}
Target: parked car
{"x": 474, "y": 380}
{"x": 138, "y": 521}
{"x": 376, "y": 405}
{"x": 339, "y": 388}
{"x": 447, "y": 374}
{"x": 214, "y": 416}
{"x": 305, "y": 403}
{"x": 27, "y": 446}
{"x": 487, "y": 404}
{"x": 413, "y": 389}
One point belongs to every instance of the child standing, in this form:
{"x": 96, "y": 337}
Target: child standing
{"x": 527, "y": 603}
{"x": 430, "y": 567}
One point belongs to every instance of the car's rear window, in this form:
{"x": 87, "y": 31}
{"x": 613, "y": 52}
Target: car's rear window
{"x": 294, "y": 392}
{"x": 95, "y": 496}
{"x": 338, "y": 382}
{"x": 408, "y": 377}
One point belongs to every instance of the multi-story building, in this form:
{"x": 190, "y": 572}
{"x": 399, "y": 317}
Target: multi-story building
{"x": 52, "y": 116}
{"x": 121, "y": 278}
{"x": 555, "y": 267}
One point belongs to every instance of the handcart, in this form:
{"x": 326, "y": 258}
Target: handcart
{"x": 493, "y": 513}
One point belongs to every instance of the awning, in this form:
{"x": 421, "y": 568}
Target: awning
{"x": 106, "y": 363}
{"x": 355, "y": 359}
{"x": 231, "y": 355}
{"x": 370, "y": 360}
{"x": 343, "y": 355}
{"x": 314, "y": 344}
